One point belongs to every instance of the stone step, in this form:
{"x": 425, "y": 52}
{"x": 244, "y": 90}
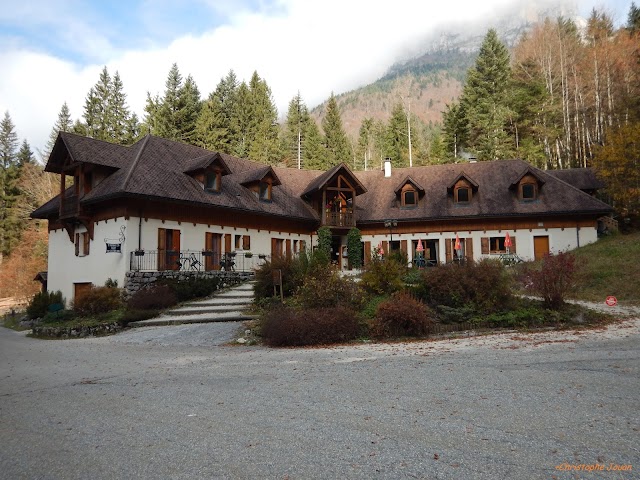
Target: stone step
{"x": 199, "y": 318}
{"x": 196, "y": 309}
{"x": 216, "y": 301}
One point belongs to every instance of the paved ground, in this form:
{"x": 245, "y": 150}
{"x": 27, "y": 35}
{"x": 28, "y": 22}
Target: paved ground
{"x": 171, "y": 402}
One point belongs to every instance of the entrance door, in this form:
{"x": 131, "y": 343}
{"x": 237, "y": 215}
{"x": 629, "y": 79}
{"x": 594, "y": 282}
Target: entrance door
{"x": 540, "y": 246}
{"x": 213, "y": 249}
{"x": 168, "y": 249}
{"x": 80, "y": 290}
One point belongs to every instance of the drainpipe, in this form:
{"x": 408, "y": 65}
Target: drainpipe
{"x": 140, "y": 232}
{"x": 578, "y": 235}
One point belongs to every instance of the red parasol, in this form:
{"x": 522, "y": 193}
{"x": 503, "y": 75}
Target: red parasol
{"x": 419, "y": 248}
{"x": 507, "y": 242}
{"x": 457, "y": 244}
{"x": 380, "y": 249}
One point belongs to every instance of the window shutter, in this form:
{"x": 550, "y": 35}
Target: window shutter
{"x": 367, "y": 252}
{"x": 484, "y": 245}
{"x": 403, "y": 246}
{"x": 448, "y": 249}
{"x": 274, "y": 247}
{"x": 175, "y": 239}
{"x": 227, "y": 242}
{"x": 468, "y": 248}
{"x": 512, "y": 249}
{"x": 385, "y": 247}
{"x": 77, "y": 244}
{"x": 85, "y": 241}
{"x": 246, "y": 242}
{"x": 288, "y": 247}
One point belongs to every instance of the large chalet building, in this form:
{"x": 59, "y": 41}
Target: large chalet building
{"x": 163, "y": 205}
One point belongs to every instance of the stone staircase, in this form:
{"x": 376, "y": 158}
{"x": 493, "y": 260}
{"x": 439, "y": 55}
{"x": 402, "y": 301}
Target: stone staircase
{"x": 226, "y": 306}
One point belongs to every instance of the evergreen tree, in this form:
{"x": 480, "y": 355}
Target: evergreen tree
{"x": 168, "y": 113}
{"x": 633, "y": 19}
{"x": 217, "y": 124}
{"x": 264, "y": 146}
{"x": 190, "y": 106}
{"x": 8, "y": 142}
{"x": 120, "y": 119}
{"x": 397, "y": 139}
{"x": 365, "y": 147}
{"x": 300, "y": 131}
{"x": 9, "y": 173}
{"x": 152, "y": 113}
{"x": 486, "y": 101}
{"x": 336, "y": 141}
{"x": 25, "y": 155}
{"x": 455, "y": 129}
{"x": 313, "y": 147}
{"x": 63, "y": 124}
{"x": 243, "y": 122}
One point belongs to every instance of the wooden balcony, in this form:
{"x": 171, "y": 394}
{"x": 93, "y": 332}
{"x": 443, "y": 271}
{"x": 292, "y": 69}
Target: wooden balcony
{"x": 70, "y": 207}
{"x": 345, "y": 218}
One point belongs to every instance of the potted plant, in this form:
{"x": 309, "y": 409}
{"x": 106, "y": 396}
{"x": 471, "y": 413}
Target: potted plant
{"x": 139, "y": 253}
{"x": 248, "y": 255}
{"x": 207, "y": 253}
{"x": 262, "y": 256}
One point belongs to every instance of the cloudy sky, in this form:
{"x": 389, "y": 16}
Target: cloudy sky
{"x": 52, "y": 51}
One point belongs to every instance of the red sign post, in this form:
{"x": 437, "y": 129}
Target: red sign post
{"x": 611, "y": 301}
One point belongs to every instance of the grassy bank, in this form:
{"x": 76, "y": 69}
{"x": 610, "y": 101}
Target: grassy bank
{"x": 610, "y": 266}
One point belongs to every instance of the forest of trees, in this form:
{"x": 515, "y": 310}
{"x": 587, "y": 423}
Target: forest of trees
{"x": 562, "y": 97}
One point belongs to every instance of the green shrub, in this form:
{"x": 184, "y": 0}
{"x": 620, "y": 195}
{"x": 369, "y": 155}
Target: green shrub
{"x": 193, "y": 287}
{"x": 60, "y": 316}
{"x": 354, "y": 248}
{"x": 383, "y": 276}
{"x": 324, "y": 287}
{"x": 111, "y": 283}
{"x": 157, "y": 297}
{"x": 39, "y": 304}
{"x": 371, "y": 306}
{"x": 402, "y": 315}
{"x": 298, "y": 327}
{"x": 455, "y": 314}
{"x": 482, "y": 285}
{"x": 293, "y": 272}
{"x": 98, "y": 300}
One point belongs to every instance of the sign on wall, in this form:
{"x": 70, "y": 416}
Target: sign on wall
{"x": 115, "y": 245}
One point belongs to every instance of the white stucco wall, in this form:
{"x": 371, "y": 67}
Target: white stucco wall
{"x": 559, "y": 240}
{"x": 65, "y": 268}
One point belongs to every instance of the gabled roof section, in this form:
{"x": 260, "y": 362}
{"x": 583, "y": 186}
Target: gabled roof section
{"x": 70, "y": 148}
{"x": 581, "y": 178}
{"x": 463, "y": 176}
{"x": 529, "y": 170}
{"x": 257, "y": 175}
{"x": 322, "y": 180}
{"x": 410, "y": 180}
{"x": 205, "y": 161}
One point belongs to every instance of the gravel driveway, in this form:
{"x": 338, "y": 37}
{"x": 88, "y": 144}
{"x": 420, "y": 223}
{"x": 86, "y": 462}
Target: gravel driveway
{"x": 171, "y": 402}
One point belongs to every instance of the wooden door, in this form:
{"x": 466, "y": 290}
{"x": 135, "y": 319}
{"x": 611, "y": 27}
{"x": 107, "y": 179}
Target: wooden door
{"x": 80, "y": 290}
{"x": 213, "y": 248}
{"x": 540, "y": 246}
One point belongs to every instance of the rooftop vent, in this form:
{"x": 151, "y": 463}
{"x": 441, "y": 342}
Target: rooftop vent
{"x": 387, "y": 168}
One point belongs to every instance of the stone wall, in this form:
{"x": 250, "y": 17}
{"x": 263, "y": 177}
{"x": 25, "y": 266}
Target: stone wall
{"x": 134, "y": 281}
{"x": 44, "y": 331}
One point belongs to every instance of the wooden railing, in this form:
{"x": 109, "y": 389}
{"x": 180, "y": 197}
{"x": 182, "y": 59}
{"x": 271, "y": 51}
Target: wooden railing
{"x": 344, "y": 218}
{"x": 196, "y": 261}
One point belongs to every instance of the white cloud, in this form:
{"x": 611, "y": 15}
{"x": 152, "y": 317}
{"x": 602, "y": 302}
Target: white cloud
{"x": 313, "y": 47}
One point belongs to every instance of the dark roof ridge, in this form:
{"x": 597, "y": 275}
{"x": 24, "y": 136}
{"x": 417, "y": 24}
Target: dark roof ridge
{"x": 134, "y": 164}
{"x": 409, "y": 179}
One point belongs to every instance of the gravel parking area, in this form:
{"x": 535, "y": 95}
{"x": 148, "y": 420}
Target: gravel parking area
{"x": 173, "y": 402}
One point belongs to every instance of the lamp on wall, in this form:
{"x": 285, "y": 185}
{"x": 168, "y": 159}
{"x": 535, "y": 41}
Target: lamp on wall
{"x": 390, "y": 224}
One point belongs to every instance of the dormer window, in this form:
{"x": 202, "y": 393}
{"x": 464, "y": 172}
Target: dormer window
{"x": 265, "y": 192}
{"x": 410, "y": 198}
{"x": 462, "y": 194}
{"x": 528, "y": 191}
{"x": 213, "y": 181}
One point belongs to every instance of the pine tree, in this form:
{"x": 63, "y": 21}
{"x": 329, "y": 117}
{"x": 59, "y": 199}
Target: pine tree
{"x": 242, "y": 121}
{"x": 300, "y": 133}
{"x": 633, "y": 19}
{"x": 190, "y": 106}
{"x": 216, "y": 127}
{"x": 455, "y": 129}
{"x": 314, "y": 148}
{"x": 397, "y": 139}
{"x": 264, "y": 146}
{"x": 63, "y": 124}
{"x": 9, "y": 174}
{"x": 25, "y": 155}
{"x": 364, "y": 149}
{"x": 336, "y": 141}
{"x": 168, "y": 121}
{"x": 92, "y": 115}
{"x": 103, "y": 90}
{"x": 485, "y": 100}
{"x": 120, "y": 118}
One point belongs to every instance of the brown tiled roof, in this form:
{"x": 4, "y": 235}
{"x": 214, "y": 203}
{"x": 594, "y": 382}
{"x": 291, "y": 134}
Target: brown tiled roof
{"x": 494, "y": 198}
{"x": 155, "y": 168}
{"x": 204, "y": 161}
{"x": 581, "y": 178}
{"x": 460, "y": 176}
